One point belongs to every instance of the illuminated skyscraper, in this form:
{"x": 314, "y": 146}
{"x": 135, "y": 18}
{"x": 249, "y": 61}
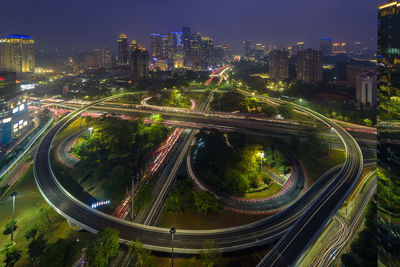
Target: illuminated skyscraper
{"x": 279, "y": 64}
{"x": 326, "y": 46}
{"x": 159, "y": 46}
{"x": 309, "y": 66}
{"x": 389, "y": 134}
{"x": 339, "y": 48}
{"x": 123, "y": 50}
{"x": 17, "y": 53}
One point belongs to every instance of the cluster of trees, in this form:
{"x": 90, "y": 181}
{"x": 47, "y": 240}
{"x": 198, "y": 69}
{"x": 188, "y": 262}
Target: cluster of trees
{"x": 231, "y": 163}
{"x": 311, "y": 146}
{"x": 182, "y": 197}
{"x": 174, "y": 98}
{"x": 232, "y": 101}
{"x": 364, "y": 248}
{"x": 115, "y": 151}
{"x": 40, "y": 252}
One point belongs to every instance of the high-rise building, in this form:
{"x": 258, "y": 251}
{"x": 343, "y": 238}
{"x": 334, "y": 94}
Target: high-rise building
{"x": 309, "y": 66}
{"x": 247, "y": 47}
{"x": 107, "y": 58}
{"x": 17, "y": 53}
{"x": 90, "y": 60}
{"x": 227, "y": 52}
{"x": 299, "y": 47}
{"x": 139, "y": 62}
{"x": 123, "y": 50}
{"x": 339, "y": 48}
{"x": 159, "y": 46}
{"x": 326, "y": 46}
{"x": 175, "y": 52}
{"x": 366, "y": 90}
{"x": 279, "y": 64}
{"x": 186, "y": 42}
{"x": 98, "y": 58}
{"x": 389, "y": 134}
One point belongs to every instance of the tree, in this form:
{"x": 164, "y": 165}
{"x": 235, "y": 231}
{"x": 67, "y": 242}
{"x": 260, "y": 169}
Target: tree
{"x": 36, "y": 250}
{"x": 57, "y": 254}
{"x": 141, "y": 256}
{"x": 103, "y": 247}
{"x": 12, "y": 255}
{"x": 205, "y": 201}
{"x": 30, "y": 233}
{"x": 269, "y": 111}
{"x": 368, "y": 122}
{"x": 286, "y": 110}
{"x": 210, "y": 254}
{"x": 7, "y": 229}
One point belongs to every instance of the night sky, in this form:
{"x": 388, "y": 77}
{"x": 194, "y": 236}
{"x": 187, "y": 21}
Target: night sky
{"x": 89, "y": 24}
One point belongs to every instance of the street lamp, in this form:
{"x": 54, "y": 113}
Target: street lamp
{"x": 261, "y": 155}
{"x": 13, "y": 215}
{"x": 172, "y": 231}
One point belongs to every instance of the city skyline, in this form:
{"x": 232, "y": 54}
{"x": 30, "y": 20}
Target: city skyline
{"x": 277, "y": 22}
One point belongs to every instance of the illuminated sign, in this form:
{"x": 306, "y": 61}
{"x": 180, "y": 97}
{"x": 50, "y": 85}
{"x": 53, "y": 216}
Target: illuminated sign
{"x": 21, "y": 107}
{"x": 15, "y": 110}
{"x": 100, "y": 203}
{"x": 25, "y": 87}
{"x": 6, "y": 120}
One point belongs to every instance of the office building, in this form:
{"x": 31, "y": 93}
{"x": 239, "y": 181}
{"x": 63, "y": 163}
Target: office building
{"x": 389, "y": 134}
{"x": 326, "y": 46}
{"x": 299, "y": 47}
{"x": 17, "y": 53}
{"x": 123, "y": 50}
{"x": 159, "y": 46}
{"x": 13, "y": 109}
{"x": 353, "y": 71}
{"x": 90, "y": 61}
{"x": 98, "y": 58}
{"x": 339, "y": 48}
{"x": 366, "y": 90}
{"x": 186, "y": 41}
{"x": 107, "y": 58}
{"x": 309, "y": 66}
{"x": 279, "y": 64}
{"x": 247, "y": 47}
{"x": 139, "y": 62}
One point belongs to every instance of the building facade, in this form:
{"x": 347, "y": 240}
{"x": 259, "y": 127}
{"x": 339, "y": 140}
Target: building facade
{"x": 326, "y": 46}
{"x": 389, "y": 134}
{"x": 366, "y": 90}
{"x": 279, "y": 64}
{"x": 17, "y": 53}
{"x": 139, "y": 63}
{"x": 309, "y": 66}
{"x": 123, "y": 50}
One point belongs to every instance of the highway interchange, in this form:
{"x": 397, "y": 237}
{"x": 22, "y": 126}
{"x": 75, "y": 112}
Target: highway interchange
{"x": 296, "y": 226}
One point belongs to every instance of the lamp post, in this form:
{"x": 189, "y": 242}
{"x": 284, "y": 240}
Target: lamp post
{"x": 261, "y": 154}
{"x": 13, "y": 215}
{"x": 172, "y": 231}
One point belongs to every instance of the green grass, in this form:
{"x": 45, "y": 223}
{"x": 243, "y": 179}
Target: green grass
{"x": 315, "y": 170}
{"x": 193, "y": 220}
{"x": 33, "y": 211}
{"x": 270, "y": 191}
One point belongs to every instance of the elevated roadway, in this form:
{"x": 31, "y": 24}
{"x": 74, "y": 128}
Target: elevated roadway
{"x": 247, "y": 236}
